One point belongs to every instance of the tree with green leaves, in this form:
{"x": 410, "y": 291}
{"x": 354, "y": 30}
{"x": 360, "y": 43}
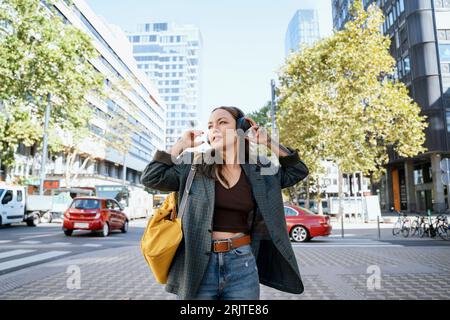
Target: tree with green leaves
{"x": 262, "y": 115}
{"x": 41, "y": 55}
{"x": 340, "y": 101}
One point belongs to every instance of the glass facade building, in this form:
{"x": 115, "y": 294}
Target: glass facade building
{"x": 302, "y": 29}
{"x": 420, "y": 43}
{"x": 169, "y": 55}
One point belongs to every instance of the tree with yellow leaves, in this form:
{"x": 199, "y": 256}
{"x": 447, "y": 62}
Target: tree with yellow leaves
{"x": 339, "y": 101}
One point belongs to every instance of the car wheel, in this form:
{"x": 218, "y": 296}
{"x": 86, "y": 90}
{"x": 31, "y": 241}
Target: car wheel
{"x": 34, "y": 220}
{"x": 47, "y": 217}
{"x": 68, "y": 232}
{"x": 299, "y": 234}
{"x": 105, "y": 230}
{"x": 125, "y": 227}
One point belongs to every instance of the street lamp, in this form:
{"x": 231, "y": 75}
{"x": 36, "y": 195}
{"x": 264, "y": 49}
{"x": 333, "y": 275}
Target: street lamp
{"x": 44, "y": 149}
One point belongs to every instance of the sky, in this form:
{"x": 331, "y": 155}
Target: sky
{"x": 243, "y": 41}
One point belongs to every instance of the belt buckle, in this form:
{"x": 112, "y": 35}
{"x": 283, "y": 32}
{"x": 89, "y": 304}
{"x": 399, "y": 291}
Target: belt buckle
{"x": 229, "y": 241}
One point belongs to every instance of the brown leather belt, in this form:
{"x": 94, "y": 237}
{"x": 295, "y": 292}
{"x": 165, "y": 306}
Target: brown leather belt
{"x": 225, "y": 245}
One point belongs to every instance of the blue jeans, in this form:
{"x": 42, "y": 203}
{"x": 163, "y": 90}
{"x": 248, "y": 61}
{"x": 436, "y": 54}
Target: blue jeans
{"x": 231, "y": 275}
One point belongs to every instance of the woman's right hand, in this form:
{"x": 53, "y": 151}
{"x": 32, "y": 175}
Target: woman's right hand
{"x": 187, "y": 140}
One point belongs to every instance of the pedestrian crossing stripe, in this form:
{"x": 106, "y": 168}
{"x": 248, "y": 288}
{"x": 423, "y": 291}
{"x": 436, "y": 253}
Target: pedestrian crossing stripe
{"x": 40, "y": 235}
{"x": 30, "y": 242}
{"x": 30, "y": 259}
{"x": 13, "y": 253}
{"x": 5, "y": 241}
{"x": 59, "y": 244}
{"x": 348, "y": 245}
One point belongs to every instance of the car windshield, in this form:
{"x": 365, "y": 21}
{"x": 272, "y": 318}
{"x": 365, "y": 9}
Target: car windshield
{"x": 85, "y": 204}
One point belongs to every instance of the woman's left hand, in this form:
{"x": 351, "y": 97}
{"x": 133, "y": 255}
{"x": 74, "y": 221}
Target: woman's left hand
{"x": 259, "y": 134}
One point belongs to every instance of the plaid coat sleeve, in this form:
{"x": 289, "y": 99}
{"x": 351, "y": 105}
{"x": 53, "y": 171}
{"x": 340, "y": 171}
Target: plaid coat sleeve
{"x": 163, "y": 174}
{"x": 292, "y": 170}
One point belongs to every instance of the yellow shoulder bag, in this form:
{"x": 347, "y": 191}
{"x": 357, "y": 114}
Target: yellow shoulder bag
{"x": 164, "y": 233}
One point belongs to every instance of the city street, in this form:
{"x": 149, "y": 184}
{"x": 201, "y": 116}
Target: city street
{"x": 327, "y": 119}
{"x": 41, "y": 263}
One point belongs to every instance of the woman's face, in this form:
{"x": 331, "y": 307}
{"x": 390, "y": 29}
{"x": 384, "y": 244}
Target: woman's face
{"x": 222, "y": 130}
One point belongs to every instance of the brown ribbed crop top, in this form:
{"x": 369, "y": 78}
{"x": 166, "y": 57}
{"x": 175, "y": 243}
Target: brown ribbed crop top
{"x": 232, "y": 206}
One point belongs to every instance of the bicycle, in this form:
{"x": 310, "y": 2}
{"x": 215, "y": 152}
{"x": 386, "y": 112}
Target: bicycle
{"x": 402, "y": 225}
{"x": 428, "y": 229}
{"x": 441, "y": 227}
{"x": 417, "y": 226}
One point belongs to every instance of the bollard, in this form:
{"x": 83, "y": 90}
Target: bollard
{"x": 378, "y": 223}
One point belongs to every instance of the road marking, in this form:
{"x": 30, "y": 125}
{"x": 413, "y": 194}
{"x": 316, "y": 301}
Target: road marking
{"x": 30, "y": 242}
{"x": 59, "y": 244}
{"x": 31, "y": 259}
{"x": 5, "y": 241}
{"x": 344, "y": 243}
{"x": 41, "y": 235}
{"x": 13, "y": 253}
{"x": 349, "y": 245}
{"x": 92, "y": 245}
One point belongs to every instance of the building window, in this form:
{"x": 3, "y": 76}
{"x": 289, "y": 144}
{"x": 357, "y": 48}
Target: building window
{"x": 444, "y": 52}
{"x": 446, "y": 86}
{"x": 445, "y": 67}
{"x": 441, "y": 4}
{"x": 407, "y": 65}
{"x": 418, "y": 176}
{"x": 391, "y": 19}
{"x": 402, "y": 5}
{"x": 443, "y": 34}
{"x": 448, "y": 120}
{"x": 160, "y": 27}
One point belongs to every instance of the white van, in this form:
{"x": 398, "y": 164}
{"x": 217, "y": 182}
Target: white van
{"x": 12, "y": 206}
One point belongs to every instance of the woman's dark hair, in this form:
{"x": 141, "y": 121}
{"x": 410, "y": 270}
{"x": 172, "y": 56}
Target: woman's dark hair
{"x": 209, "y": 169}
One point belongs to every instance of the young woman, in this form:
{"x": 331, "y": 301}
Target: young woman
{"x": 234, "y": 230}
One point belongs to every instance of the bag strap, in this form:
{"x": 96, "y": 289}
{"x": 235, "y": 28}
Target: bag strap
{"x": 185, "y": 195}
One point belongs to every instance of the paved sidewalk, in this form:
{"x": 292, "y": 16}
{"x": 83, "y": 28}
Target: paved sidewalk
{"x": 354, "y": 225}
{"x": 327, "y": 272}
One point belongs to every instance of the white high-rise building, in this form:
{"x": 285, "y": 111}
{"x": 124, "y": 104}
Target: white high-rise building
{"x": 169, "y": 54}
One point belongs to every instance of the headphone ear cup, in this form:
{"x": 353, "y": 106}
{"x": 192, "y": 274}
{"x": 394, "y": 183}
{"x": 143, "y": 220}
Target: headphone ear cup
{"x": 243, "y": 124}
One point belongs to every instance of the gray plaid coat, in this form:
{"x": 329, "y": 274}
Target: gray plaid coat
{"x": 276, "y": 262}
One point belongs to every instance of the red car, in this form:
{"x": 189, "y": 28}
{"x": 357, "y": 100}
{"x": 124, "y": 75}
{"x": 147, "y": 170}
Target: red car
{"x": 95, "y": 214}
{"x": 303, "y": 225}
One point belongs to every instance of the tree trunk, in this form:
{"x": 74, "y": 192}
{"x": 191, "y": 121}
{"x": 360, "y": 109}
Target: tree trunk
{"x": 291, "y": 199}
{"x": 77, "y": 172}
{"x": 69, "y": 164}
